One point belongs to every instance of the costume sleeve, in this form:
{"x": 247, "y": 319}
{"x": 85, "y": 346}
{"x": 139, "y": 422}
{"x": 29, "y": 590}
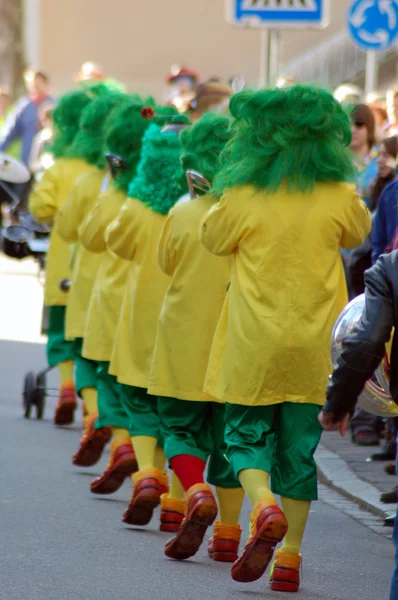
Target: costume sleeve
{"x": 123, "y": 233}
{"x": 167, "y": 247}
{"x": 365, "y": 347}
{"x": 357, "y": 222}
{"x": 43, "y": 201}
{"x": 71, "y": 214}
{"x": 222, "y": 228}
{"x": 93, "y": 229}
{"x": 379, "y": 230}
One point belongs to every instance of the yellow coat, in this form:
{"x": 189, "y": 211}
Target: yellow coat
{"x": 111, "y": 281}
{"x": 272, "y": 343}
{"x": 85, "y": 264}
{"x": 192, "y": 306}
{"x": 134, "y": 236}
{"x": 45, "y": 201}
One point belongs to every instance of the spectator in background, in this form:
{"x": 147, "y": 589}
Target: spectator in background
{"x": 90, "y": 71}
{"x": 40, "y": 156}
{"x": 386, "y": 217}
{"x": 23, "y": 123}
{"x": 361, "y": 258}
{"x": 363, "y": 148}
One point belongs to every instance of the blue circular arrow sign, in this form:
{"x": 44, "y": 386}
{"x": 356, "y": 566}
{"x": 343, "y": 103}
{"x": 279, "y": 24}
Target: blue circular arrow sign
{"x": 373, "y": 24}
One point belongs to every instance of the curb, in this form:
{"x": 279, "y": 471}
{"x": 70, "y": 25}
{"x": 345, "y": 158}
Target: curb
{"x": 334, "y": 472}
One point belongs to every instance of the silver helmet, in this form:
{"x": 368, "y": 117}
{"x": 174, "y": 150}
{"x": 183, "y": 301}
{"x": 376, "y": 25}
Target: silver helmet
{"x": 375, "y": 398}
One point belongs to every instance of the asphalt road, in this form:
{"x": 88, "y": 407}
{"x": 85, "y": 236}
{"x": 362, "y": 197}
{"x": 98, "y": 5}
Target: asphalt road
{"x": 58, "y": 542}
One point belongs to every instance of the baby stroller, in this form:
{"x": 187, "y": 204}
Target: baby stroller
{"x": 23, "y": 237}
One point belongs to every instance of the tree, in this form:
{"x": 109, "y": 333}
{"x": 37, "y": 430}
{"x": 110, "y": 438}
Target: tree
{"x": 11, "y": 46}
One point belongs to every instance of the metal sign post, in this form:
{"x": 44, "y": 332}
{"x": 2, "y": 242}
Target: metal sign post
{"x": 373, "y": 26}
{"x": 273, "y": 16}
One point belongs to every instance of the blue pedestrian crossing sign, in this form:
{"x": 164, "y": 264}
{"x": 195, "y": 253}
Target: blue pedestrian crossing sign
{"x": 278, "y": 14}
{"x": 373, "y": 24}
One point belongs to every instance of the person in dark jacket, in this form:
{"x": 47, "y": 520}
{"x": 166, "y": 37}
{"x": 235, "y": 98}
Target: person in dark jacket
{"x": 362, "y": 352}
{"x": 385, "y": 220}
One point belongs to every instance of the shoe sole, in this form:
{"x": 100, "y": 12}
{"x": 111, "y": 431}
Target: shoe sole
{"x": 110, "y": 483}
{"x": 229, "y": 557}
{"x": 256, "y": 557}
{"x": 92, "y": 450}
{"x": 141, "y": 512}
{"x": 284, "y": 586}
{"x": 169, "y": 527}
{"x": 192, "y": 531}
{"x": 65, "y": 414}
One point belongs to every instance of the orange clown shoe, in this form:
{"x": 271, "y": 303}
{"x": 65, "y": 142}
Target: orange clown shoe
{"x": 224, "y": 544}
{"x": 201, "y": 511}
{"x": 268, "y": 527}
{"x": 92, "y": 443}
{"x": 171, "y": 513}
{"x": 147, "y": 490}
{"x": 67, "y": 404}
{"x": 122, "y": 463}
{"x": 285, "y": 572}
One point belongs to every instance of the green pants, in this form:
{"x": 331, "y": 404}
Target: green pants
{"x": 142, "y": 411}
{"x": 58, "y": 349}
{"x": 110, "y": 408}
{"x": 86, "y": 370}
{"x": 280, "y": 439}
{"x": 197, "y": 429}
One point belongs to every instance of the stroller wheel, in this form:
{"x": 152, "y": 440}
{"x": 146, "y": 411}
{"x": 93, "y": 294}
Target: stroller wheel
{"x": 29, "y": 393}
{"x": 40, "y": 394}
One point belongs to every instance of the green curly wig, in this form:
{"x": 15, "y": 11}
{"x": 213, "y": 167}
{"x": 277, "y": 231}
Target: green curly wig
{"x": 298, "y": 136}
{"x": 125, "y": 134}
{"x": 202, "y": 144}
{"x": 88, "y": 144}
{"x": 159, "y": 171}
{"x": 67, "y": 114}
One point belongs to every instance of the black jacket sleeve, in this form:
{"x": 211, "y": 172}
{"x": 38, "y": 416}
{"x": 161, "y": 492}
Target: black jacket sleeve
{"x": 364, "y": 348}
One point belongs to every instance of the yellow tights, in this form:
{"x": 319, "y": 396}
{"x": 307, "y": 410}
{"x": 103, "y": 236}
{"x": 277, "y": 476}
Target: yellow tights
{"x": 90, "y": 395}
{"x": 256, "y": 485}
{"x": 66, "y": 372}
{"x": 230, "y": 504}
{"x": 296, "y": 513}
{"x": 148, "y": 453}
{"x": 119, "y": 434}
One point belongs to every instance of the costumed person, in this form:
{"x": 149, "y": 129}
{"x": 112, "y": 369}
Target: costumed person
{"x": 182, "y": 84}
{"x": 46, "y": 199}
{"x": 285, "y": 211}
{"x": 88, "y": 145}
{"x": 134, "y": 236}
{"x": 123, "y": 148}
{"x": 362, "y": 351}
{"x": 192, "y": 421}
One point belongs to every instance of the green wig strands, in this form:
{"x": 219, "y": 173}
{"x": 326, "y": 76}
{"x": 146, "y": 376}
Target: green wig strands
{"x": 89, "y": 141}
{"x": 125, "y": 138}
{"x": 156, "y": 184}
{"x": 202, "y": 144}
{"x": 67, "y": 116}
{"x": 297, "y": 136}
{"x": 66, "y": 120}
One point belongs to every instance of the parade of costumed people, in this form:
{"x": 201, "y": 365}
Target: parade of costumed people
{"x": 123, "y": 149}
{"x": 201, "y": 252}
{"x": 133, "y": 236}
{"x": 45, "y": 201}
{"x": 88, "y": 145}
{"x": 270, "y": 191}
{"x": 193, "y": 421}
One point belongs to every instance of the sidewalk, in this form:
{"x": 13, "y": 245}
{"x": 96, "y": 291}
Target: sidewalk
{"x": 347, "y": 468}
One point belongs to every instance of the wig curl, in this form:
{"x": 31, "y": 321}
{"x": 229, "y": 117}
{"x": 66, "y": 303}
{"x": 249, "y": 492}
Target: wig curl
{"x": 203, "y": 143}
{"x": 296, "y": 136}
{"x": 89, "y": 141}
{"x": 67, "y": 116}
{"x": 156, "y": 183}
